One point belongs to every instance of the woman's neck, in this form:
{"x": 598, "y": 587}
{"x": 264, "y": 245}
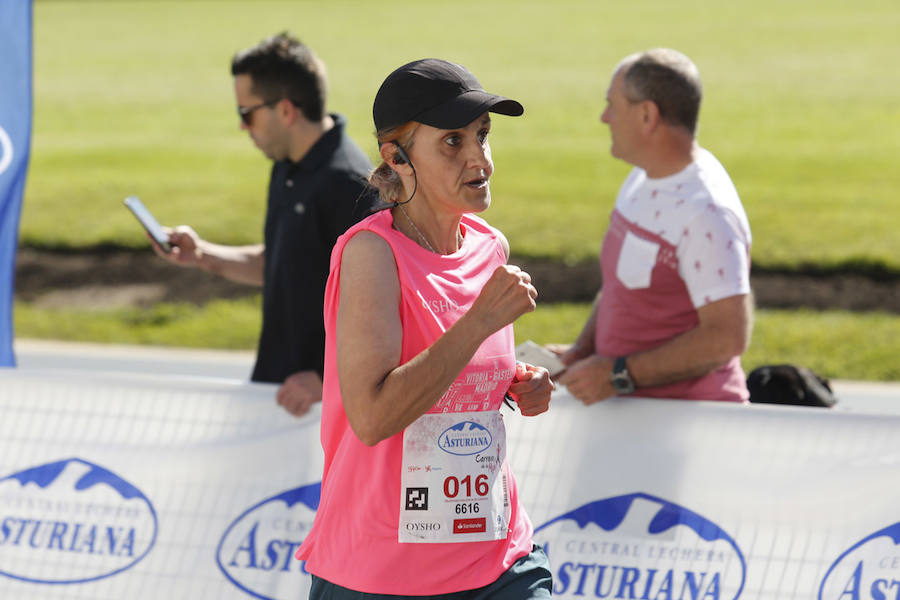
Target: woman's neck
{"x": 437, "y": 234}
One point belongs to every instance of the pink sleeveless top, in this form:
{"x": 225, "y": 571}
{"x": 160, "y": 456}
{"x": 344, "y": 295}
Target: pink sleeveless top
{"x": 354, "y": 539}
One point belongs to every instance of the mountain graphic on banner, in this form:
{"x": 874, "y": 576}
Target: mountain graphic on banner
{"x": 640, "y": 546}
{"x": 72, "y": 521}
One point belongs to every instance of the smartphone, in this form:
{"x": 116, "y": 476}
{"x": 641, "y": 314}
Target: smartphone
{"x": 534, "y": 354}
{"x": 148, "y": 221}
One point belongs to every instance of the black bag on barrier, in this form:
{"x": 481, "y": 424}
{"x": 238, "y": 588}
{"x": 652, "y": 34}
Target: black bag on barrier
{"x": 789, "y": 384}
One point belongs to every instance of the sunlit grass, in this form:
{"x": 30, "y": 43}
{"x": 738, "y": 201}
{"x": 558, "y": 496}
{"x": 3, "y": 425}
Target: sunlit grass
{"x": 220, "y": 324}
{"x": 835, "y": 344}
{"x": 135, "y": 98}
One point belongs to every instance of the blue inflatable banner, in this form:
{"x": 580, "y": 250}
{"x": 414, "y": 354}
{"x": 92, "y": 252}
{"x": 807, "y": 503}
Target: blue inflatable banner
{"x": 15, "y": 133}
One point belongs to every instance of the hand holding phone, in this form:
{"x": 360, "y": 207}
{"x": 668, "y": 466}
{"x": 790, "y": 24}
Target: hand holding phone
{"x": 150, "y": 224}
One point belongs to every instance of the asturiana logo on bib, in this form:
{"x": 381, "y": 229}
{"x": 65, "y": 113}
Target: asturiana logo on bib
{"x": 465, "y": 438}
{"x": 256, "y": 552}
{"x": 641, "y": 547}
{"x": 72, "y": 521}
{"x": 868, "y": 570}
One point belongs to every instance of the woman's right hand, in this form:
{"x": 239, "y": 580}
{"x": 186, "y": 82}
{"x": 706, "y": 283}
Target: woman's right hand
{"x": 506, "y": 296}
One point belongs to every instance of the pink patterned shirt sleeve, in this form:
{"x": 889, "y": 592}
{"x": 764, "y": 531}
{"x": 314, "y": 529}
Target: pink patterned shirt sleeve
{"x": 714, "y": 256}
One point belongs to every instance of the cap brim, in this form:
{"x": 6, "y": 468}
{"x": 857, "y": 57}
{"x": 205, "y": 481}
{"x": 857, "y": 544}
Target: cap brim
{"x": 465, "y": 108}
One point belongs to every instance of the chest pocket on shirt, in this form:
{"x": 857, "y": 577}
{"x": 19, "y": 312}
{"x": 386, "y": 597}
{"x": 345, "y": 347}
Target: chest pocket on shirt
{"x": 636, "y": 261}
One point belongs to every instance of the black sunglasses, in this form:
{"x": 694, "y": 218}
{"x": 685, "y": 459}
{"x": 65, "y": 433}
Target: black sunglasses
{"x": 246, "y": 112}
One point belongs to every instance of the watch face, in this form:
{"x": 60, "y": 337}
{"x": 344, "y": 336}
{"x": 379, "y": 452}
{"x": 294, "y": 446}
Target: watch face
{"x": 622, "y": 383}
{"x": 621, "y": 378}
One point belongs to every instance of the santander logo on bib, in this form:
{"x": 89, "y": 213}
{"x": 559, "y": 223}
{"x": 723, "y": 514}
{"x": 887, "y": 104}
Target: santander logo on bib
{"x": 465, "y": 438}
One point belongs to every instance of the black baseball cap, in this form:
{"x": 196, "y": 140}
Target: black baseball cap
{"x": 438, "y": 93}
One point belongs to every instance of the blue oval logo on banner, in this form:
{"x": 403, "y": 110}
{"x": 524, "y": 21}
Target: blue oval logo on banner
{"x": 72, "y": 521}
{"x": 465, "y": 438}
{"x": 869, "y": 569}
{"x": 256, "y": 552}
{"x": 640, "y": 546}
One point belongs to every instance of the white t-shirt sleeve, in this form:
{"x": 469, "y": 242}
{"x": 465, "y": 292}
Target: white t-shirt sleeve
{"x": 714, "y": 256}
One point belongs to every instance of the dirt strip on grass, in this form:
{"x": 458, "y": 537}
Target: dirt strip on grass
{"x": 110, "y": 278}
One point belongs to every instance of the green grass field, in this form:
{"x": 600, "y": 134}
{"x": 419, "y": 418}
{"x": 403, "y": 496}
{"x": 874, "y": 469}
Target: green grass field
{"x": 801, "y": 105}
{"x": 835, "y": 344}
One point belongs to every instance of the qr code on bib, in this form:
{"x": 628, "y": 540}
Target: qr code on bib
{"x": 417, "y": 498}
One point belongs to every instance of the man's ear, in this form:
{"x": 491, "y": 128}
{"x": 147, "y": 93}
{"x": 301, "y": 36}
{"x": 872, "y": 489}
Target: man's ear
{"x": 650, "y": 117}
{"x": 288, "y": 112}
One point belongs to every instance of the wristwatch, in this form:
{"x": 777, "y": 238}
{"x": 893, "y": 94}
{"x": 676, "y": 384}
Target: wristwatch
{"x": 620, "y": 378}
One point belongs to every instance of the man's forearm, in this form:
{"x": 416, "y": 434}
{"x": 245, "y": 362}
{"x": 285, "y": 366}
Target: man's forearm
{"x": 723, "y": 333}
{"x": 584, "y": 343}
{"x": 691, "y": 354}
{"x": 243, "y": 264}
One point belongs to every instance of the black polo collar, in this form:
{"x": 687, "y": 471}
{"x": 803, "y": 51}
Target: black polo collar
{"x": 322, "y": 151}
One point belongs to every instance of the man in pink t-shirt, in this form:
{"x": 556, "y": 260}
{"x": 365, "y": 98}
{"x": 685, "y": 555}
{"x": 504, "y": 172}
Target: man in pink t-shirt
{"x": 675, "y": 311}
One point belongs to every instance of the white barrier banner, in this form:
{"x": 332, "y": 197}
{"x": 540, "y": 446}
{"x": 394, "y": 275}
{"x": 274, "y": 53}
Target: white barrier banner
{"x": 126, "y": 486}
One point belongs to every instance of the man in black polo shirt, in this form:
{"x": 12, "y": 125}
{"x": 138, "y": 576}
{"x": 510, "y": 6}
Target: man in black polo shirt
{"x": 316, "y": 191}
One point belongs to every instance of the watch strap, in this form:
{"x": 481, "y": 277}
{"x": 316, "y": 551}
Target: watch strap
{"x": 621, "y": 378}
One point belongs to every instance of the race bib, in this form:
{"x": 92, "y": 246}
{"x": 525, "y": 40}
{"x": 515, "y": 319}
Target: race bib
{"x": 454, "y": 485}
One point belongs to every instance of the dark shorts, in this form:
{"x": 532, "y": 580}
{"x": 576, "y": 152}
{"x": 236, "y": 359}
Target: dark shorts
{"x": 529, "y": 578}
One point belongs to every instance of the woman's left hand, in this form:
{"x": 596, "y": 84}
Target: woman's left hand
{"x": 531, "y": 388}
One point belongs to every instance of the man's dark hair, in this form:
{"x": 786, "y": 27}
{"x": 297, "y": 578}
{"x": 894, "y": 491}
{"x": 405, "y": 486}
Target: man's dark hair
{"x": 670, "y": 80}
{"x": 283, "y": 67}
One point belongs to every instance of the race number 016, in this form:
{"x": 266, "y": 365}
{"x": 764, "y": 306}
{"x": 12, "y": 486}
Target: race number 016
{"x": 452, "y": 486}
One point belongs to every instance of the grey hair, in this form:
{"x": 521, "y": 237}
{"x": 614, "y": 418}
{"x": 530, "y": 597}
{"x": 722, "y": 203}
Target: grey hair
{"x": 670, "y": 80}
